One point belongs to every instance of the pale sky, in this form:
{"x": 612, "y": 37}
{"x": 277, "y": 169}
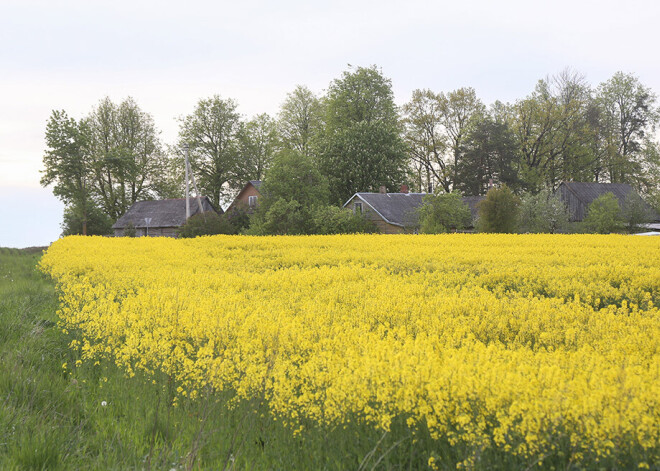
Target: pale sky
{"x": 167, "y": 55}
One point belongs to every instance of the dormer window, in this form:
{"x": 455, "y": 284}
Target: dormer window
{"x": 357, "y": 208}
{"x": 252, "y": 201}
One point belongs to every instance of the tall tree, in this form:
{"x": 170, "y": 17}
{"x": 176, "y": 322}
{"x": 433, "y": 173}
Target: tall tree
{"x": 361, "y": 147}
{"x": 552, "y": 129}
{"x": 127, "y": 155}
{"x": 211, "y": 134}
{"x": 300, "y": 119}
{"x": 489, "y": 153}
{"x": 628, "y": 115}
{"x": 258, "y": 140}
{"x": 460, "y": 109}
{"x": 423, "y": 118}
{"x": 67, "y": 164}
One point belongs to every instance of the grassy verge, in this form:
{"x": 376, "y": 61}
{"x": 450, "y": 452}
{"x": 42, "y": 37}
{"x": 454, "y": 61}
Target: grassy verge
{"x": 56, "y": 413}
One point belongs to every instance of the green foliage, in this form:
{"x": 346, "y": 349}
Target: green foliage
{"x": 90, "y": 215}
{"x": 634, "y": 212}
{"x": 257, "y": 141}
{"x": 498, "y": 212}
{"x": 488, "y": 153}
{"x": 603, "y": 215}
{"x": 211, "y": 134}
{"x": 281, "y": 217}
{"x": 360, "y": 148}
{"x": 127, "y": 157}
{"x": 336, "y": 220}
{"x": 239, "y": 218}
{"x": 300, "y": 119}
{"x": 543, "y": 212}
{"x": 208, "y": 223}
{"x": 292, "y": 188}
{"x": 443, "y": 212}
{"x": 294, "y": 176}
{"x": 129, "y": 230}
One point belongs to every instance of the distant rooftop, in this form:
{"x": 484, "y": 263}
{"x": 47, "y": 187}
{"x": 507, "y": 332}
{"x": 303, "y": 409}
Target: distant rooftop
{"x": 163, "y": 213}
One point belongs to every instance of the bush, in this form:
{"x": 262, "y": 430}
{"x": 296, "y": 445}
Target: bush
{"x": 498, "y": 212}
{"x": 336, "y": 220}
{"x": 98, "y": 223}
{"x": 543, "y": 212}
{"x": 603, "y": 215}
{"x": 282, "y": 217}
{"x": 442, "y": 212}
{"x": 129, "y": 230}
{"x": 634, "y": 212}
{"x": 208, "y": 223}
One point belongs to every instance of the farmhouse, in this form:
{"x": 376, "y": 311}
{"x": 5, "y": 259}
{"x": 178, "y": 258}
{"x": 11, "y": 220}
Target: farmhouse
{"x": 248, "y": 196}
{"x": 578, "y": 196}
{"x": 396, "y": 213}
{"x": 163, "y": 217}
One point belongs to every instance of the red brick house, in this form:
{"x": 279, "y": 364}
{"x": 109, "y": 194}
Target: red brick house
{"x": 248, "y": 197}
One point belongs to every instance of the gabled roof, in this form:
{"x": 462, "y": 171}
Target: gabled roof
{"x": 587, "y": 192}
{"x": 400, "y": 209}
{"x": 256, "y": 184}
{"x": 163, "y": 213}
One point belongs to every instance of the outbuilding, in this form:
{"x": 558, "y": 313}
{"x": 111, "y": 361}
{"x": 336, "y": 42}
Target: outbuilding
{"x": 160, "y": 218}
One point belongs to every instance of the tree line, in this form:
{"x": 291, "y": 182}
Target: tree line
{"x": 355, "y": 138}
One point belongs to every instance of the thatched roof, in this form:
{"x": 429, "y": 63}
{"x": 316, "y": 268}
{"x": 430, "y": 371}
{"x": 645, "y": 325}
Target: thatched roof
{"x": 400, "y": 209}
{"x": 163, "y": 213}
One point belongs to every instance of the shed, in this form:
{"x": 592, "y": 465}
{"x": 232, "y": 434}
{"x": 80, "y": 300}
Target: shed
{"x": 578, "y": 196}
{"x": 167, "y": 216}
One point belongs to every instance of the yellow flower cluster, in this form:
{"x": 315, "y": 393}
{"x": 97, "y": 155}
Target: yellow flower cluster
{"x": 527, "y": 343}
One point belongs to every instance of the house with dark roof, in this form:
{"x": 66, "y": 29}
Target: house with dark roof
{"x": 248, "y": 197}
{"x": 396, "y": 213}
{"x": 160, "y": 218}
{"x": 578, "y": 196}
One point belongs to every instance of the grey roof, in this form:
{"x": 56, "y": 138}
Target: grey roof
{"x": 163, "y": 213}
{"x": 586, "y": 193}
{"x": 256, "y": 184}
{"x": 473, "y": 203}
{"x": 400, "y": 209}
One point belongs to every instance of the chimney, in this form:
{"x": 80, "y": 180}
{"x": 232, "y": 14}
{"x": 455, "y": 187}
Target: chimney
{"x": 404, "y": 188}
{"x": 382, "y": 190}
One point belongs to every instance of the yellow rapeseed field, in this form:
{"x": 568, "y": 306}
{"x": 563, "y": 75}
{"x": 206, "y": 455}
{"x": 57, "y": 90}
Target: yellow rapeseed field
{"x": 522, "y": 342}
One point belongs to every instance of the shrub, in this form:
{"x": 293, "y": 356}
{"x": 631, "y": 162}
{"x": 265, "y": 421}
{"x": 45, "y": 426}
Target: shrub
{"x": 498, "y": 212}
{"x": 603, "y": 215}
{"x": 336, "y": 220}
{"x": 129, "y": 230}
{"x": 208, "y": 223}
{"x": 634, "y": 212}
{"x": 98, "y": 223}
{"x": 543, "y": 212}
{"x": 442, "y": 212}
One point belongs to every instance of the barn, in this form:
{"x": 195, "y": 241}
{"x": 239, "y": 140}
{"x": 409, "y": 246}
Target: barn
{"x": 578, "y": 196}
{"x": 162, "y": 218}
{"x": 396, "y": 213}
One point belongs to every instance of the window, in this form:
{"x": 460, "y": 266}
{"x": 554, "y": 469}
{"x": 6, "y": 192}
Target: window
{"x": 357, "y": 208}
{"x": 252, "y": 201}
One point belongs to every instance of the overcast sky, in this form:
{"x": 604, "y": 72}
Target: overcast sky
{"x": 167, "y": 55}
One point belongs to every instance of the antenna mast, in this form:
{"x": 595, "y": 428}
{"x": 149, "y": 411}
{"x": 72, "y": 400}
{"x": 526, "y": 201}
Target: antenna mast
{"x": 185, "y": 148}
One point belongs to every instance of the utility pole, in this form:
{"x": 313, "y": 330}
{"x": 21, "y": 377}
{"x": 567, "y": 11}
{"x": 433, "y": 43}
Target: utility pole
{"x": 185, "y": 148}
